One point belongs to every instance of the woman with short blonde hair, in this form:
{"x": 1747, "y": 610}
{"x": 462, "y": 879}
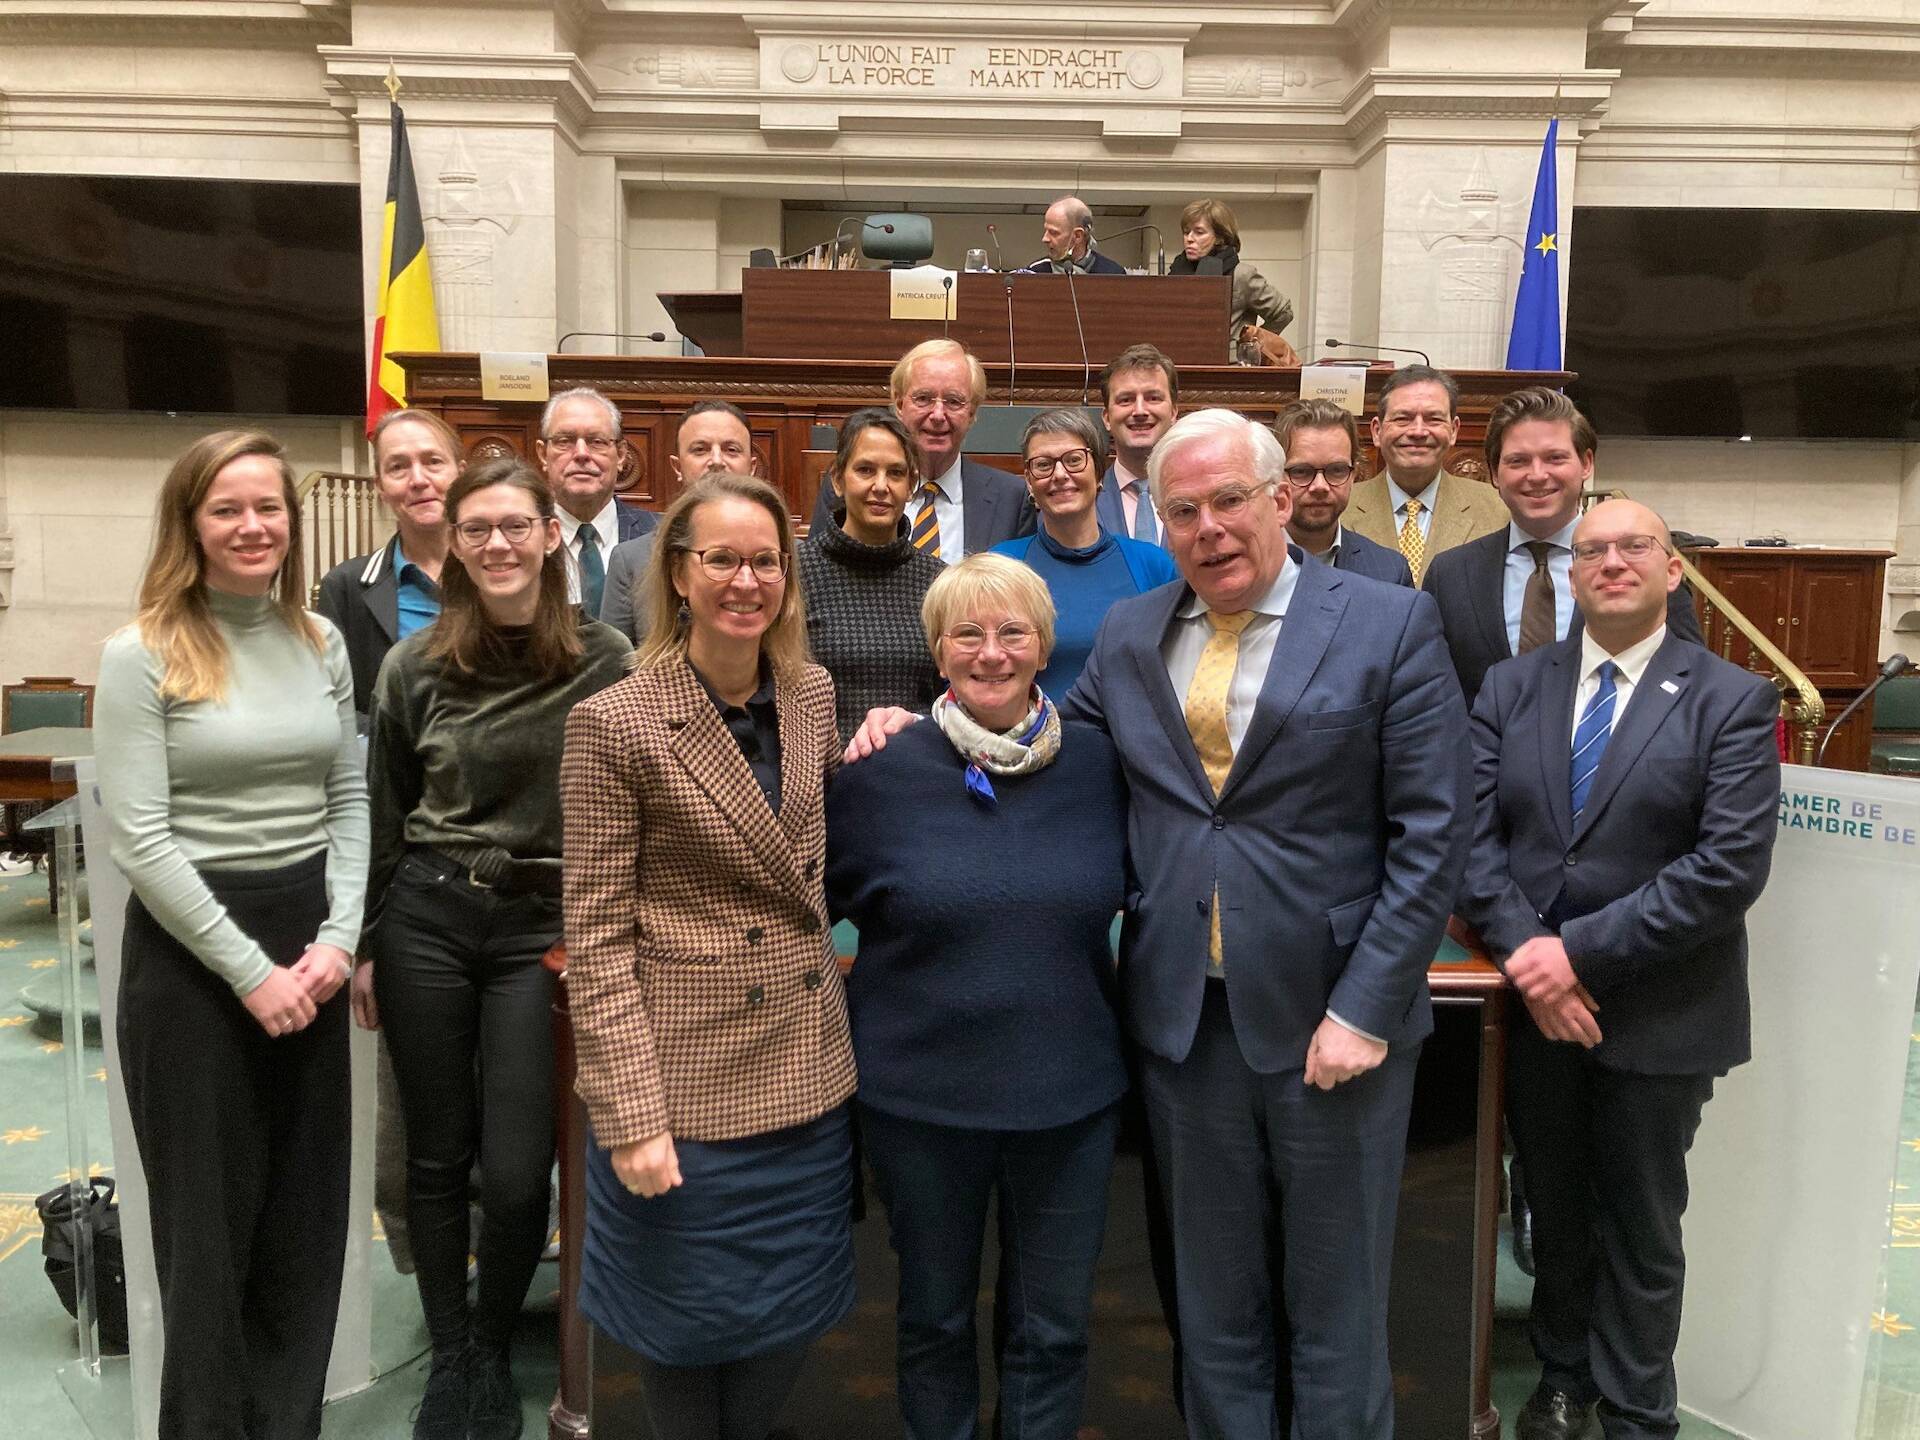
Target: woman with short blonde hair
{"x": 231, "y": 783}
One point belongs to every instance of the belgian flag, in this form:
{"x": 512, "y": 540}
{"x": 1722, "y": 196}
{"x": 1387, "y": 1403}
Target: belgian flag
{"x": 404, "y": 318}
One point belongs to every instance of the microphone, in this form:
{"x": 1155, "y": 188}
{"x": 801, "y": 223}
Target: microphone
{"x": 864, "y": 223}
{"x": 1013, "y": 366}
{"x": 1073, "y": 295}
{"x": 993, "y": 234}
{"x": 946, "y": 307}
{"x": 1159, "y": 244}
{"x": 561, "y": 347}
{"x": 1425, "y": 359}
{"x": 1895, "y": 665}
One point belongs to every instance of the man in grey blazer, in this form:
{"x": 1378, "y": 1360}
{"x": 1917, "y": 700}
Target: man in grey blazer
{"x": 961, "y": 506}
{"x": 1298, "y": 821}
{"x": 1323, "y": 450}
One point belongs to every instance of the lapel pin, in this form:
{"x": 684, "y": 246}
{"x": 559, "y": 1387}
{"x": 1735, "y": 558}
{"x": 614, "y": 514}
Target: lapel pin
{"x": 1669, "y": 687}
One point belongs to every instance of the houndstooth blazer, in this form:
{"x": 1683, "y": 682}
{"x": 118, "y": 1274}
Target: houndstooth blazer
{"x": 701, "y": 975}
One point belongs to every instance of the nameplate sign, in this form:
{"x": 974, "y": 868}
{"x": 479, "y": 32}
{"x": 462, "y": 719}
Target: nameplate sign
{"x": 923, "y": 293}
{"x": 880, "y": 65}
{"x": 1345, "y": 385}
{"x": 513, "y": 375}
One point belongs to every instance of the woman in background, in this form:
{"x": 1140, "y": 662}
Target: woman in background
{"x": 710, "y": 1021}
{"x": 230, "y": 778}
{"x": 1210, "y": 245}
{"x": 464, "y": 768}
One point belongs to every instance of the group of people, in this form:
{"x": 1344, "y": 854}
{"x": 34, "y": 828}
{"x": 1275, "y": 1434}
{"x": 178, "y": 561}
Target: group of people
{"x": 1191, "y": 671}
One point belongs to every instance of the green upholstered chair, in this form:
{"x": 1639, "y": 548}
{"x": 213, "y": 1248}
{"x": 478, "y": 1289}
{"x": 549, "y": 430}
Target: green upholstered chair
{"x": 1896, "y": 727}
{"x": 39, "y": 701}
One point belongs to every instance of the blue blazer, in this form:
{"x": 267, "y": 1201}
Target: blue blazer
{"x": 1650, "y": 891}
{"x": 1111, "y": 511}
{"x": 1372, "y": 559}
{"x": 634, "y": 521}
{"x": 1337, "y": 844}
{"x": 994, "y": 506}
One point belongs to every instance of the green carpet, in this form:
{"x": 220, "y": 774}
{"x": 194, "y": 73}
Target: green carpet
{"x": 37, "y": 1339}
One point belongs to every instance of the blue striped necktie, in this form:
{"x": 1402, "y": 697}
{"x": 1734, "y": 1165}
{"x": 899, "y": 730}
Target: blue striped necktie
{"x": 1590, "y": 737}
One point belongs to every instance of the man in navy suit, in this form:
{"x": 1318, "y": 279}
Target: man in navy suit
{"x": 961, "y": 506}
{"x": 582, "y": 449}
{"x": 1139, "y": 396}
{"x": 1510, "y": 592}
{"x": 1626, "y": 784}
{"x": 1323, "y": 449}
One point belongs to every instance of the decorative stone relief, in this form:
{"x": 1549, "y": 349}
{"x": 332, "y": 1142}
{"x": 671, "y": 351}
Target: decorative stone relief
{"x": 461, "y": 245}
{"x": 1473, "y": 241}
{"x": 1240, "y": 78}
{"x": 685, "y": 68}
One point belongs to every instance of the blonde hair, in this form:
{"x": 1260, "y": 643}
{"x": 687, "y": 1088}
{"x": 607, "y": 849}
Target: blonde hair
{"x": 784, "y": 641}
{"x": 902, "y": 376}
{"x": 442, "y": 432}
{"x": 174, "y": 619}
{"x": 961, "y": 589}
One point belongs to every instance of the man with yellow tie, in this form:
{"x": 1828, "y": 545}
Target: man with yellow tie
{"x": 1416, "y": 505}
{"x": 1299, "y": 809}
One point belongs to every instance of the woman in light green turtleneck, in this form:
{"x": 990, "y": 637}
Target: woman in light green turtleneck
{"x": 231, "y": 781}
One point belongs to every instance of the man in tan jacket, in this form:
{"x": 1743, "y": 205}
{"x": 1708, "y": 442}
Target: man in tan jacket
{"x": 1417, "y": 507}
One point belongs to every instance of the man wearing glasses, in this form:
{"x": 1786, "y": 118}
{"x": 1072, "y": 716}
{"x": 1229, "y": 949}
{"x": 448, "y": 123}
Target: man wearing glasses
{"x": 1322, "y": 444}
{"x": 1510, "y": 592}
{"x": 1627, "y": 786}
{"x": 582, "y": 450}
{"x": 960, "y": 507}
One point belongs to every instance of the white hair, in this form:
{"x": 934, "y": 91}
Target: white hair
{"x": 1268, "y": 458}
{"x": 579, "y": 392}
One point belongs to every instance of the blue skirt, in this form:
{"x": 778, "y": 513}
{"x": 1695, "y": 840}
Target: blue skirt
{"x": 752, "y": 1252}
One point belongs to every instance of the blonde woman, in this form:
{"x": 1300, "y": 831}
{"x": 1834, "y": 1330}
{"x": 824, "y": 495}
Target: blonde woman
{"x": 230, "y": 775}
{"x": 710, "y": 1022}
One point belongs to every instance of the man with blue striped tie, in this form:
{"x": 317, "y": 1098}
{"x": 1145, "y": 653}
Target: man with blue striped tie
{"x": 1626, "y": 787}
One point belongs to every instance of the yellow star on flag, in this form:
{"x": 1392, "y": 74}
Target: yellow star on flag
{"x": 1547, "y": 242}
{"x": 1886, "y": 1324}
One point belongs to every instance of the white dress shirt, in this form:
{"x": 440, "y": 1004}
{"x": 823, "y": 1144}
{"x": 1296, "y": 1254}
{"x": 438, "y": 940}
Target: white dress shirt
{"x": 953, "y": 516}
{"x": 1330, "y": 555}
{"x": 1187, "y": 638}
{"x": 1632, "y": 664}
{"x": 605, "y": 528}
{"x": 1400, "y": 498}
{"x": 1520, "y": 570}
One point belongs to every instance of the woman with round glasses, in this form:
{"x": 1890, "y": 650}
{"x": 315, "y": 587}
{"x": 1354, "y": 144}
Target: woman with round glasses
{"x": 983, "y": 1006}
{"x": 1085, "y": 567}
{"x": 710, "y": 1020}
{"x": 463, "y": 901}
{"x": 863, "y": 579}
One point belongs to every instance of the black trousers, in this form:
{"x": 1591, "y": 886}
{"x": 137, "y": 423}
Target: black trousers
{"x": 1606, "y": 1159}
{"x": 739, "y": 1400}
{"x": 459, "y": 980}
{"x": 244, "y": 1143}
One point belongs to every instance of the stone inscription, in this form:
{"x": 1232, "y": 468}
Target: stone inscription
{"x": 965, "y": 67}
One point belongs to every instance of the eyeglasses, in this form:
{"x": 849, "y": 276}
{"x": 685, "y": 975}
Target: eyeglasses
{"x": 722, "y": 563}
{"x": 597, "y": 444}
{"x": 1075, "y": 462}
{"x": 1228, "y": 504}
{"x": 1301, "y": 477}
{"x": 951, "y": 399}
{"x": 1013, "y": 636}
{"x": 1631, "y": 547}
{"x": 515, "y": 528}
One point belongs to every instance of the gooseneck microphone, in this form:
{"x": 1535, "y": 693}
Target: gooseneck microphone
{"x": 946, "y": 304}
{"x": 1425, "y": 359}
{"x": 864, "y": 224}
{"x": 1895, "y": 665}
{"x": 560, "y": 347}
{"x": 993, "y": 234}
{"x": 1013, "y": 365}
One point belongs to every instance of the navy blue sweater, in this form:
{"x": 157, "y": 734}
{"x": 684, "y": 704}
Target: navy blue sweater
{"x": 983, "y": 994}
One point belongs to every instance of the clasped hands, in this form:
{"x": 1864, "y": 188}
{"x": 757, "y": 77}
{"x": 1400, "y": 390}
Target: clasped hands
{"x": 291, "y": 995}
{"x": 1558, "y": 1002}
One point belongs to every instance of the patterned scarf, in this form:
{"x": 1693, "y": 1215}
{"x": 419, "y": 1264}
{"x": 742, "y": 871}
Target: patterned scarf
{"x": 1029, "y": 746}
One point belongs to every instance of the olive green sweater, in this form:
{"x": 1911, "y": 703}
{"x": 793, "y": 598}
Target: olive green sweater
{"x": 260, "y": 779}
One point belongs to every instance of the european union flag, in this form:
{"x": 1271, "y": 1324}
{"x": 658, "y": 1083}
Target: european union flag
{"x": 1535, "y": 341}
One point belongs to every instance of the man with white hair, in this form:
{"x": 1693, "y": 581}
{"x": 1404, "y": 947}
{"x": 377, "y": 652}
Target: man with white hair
{"x": 1298, "y": 816}
{"x": 582, "y": 449}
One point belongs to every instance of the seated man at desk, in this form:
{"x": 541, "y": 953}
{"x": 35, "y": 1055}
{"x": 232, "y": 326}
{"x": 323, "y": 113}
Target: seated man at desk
{"x": 1067, "y": 235}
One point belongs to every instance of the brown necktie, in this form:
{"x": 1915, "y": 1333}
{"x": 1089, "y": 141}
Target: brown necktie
{"x": 1206, "y": 711}
{"x": 1537, "y": 619}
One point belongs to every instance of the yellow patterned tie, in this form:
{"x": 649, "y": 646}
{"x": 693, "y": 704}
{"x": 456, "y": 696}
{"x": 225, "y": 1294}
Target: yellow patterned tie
{"x": 1206, "y": 710}
{"x": 1413, "y": 544}
{"x": 926, "y": 528}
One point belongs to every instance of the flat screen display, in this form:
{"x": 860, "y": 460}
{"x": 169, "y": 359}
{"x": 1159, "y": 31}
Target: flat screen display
{"x": 1763, "y": 323}
{"x": 180, "y": 295}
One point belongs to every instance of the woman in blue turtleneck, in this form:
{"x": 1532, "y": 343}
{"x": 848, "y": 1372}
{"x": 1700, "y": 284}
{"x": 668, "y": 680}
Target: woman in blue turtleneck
{"x": 1086, "y": 568}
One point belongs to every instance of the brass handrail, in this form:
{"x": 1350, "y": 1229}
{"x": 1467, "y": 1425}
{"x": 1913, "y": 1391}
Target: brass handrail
{"x": 1806, "y": 710}
{"x": 343, "y": 517}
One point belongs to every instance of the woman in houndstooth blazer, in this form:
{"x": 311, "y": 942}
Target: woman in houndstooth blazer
{"x": 711, "y": 1027}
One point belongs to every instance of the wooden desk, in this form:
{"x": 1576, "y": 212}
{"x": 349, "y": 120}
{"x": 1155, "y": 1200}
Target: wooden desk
{"x": 29, "y": 760}
{"x": 1441, "y": 1315}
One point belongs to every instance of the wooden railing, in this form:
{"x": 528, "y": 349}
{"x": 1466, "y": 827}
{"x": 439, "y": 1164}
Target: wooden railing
{"x": 343, "y": 517}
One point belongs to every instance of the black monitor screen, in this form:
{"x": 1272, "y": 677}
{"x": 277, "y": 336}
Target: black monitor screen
{"x": 181, "y": 295}
{"x": 1762, "y": 323}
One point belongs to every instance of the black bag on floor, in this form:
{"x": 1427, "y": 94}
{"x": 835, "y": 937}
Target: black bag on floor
{"x": 102, "y": 1219}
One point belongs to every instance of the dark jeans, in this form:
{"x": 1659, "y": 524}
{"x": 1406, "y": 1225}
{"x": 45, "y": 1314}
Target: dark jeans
{"x": 244, "y": 1141}
{"x": 739, "y": 1400}
{"x": 1606, "y": 1159}
{"x": 936, "y": 1182}
{"x": 458, "y": 978}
